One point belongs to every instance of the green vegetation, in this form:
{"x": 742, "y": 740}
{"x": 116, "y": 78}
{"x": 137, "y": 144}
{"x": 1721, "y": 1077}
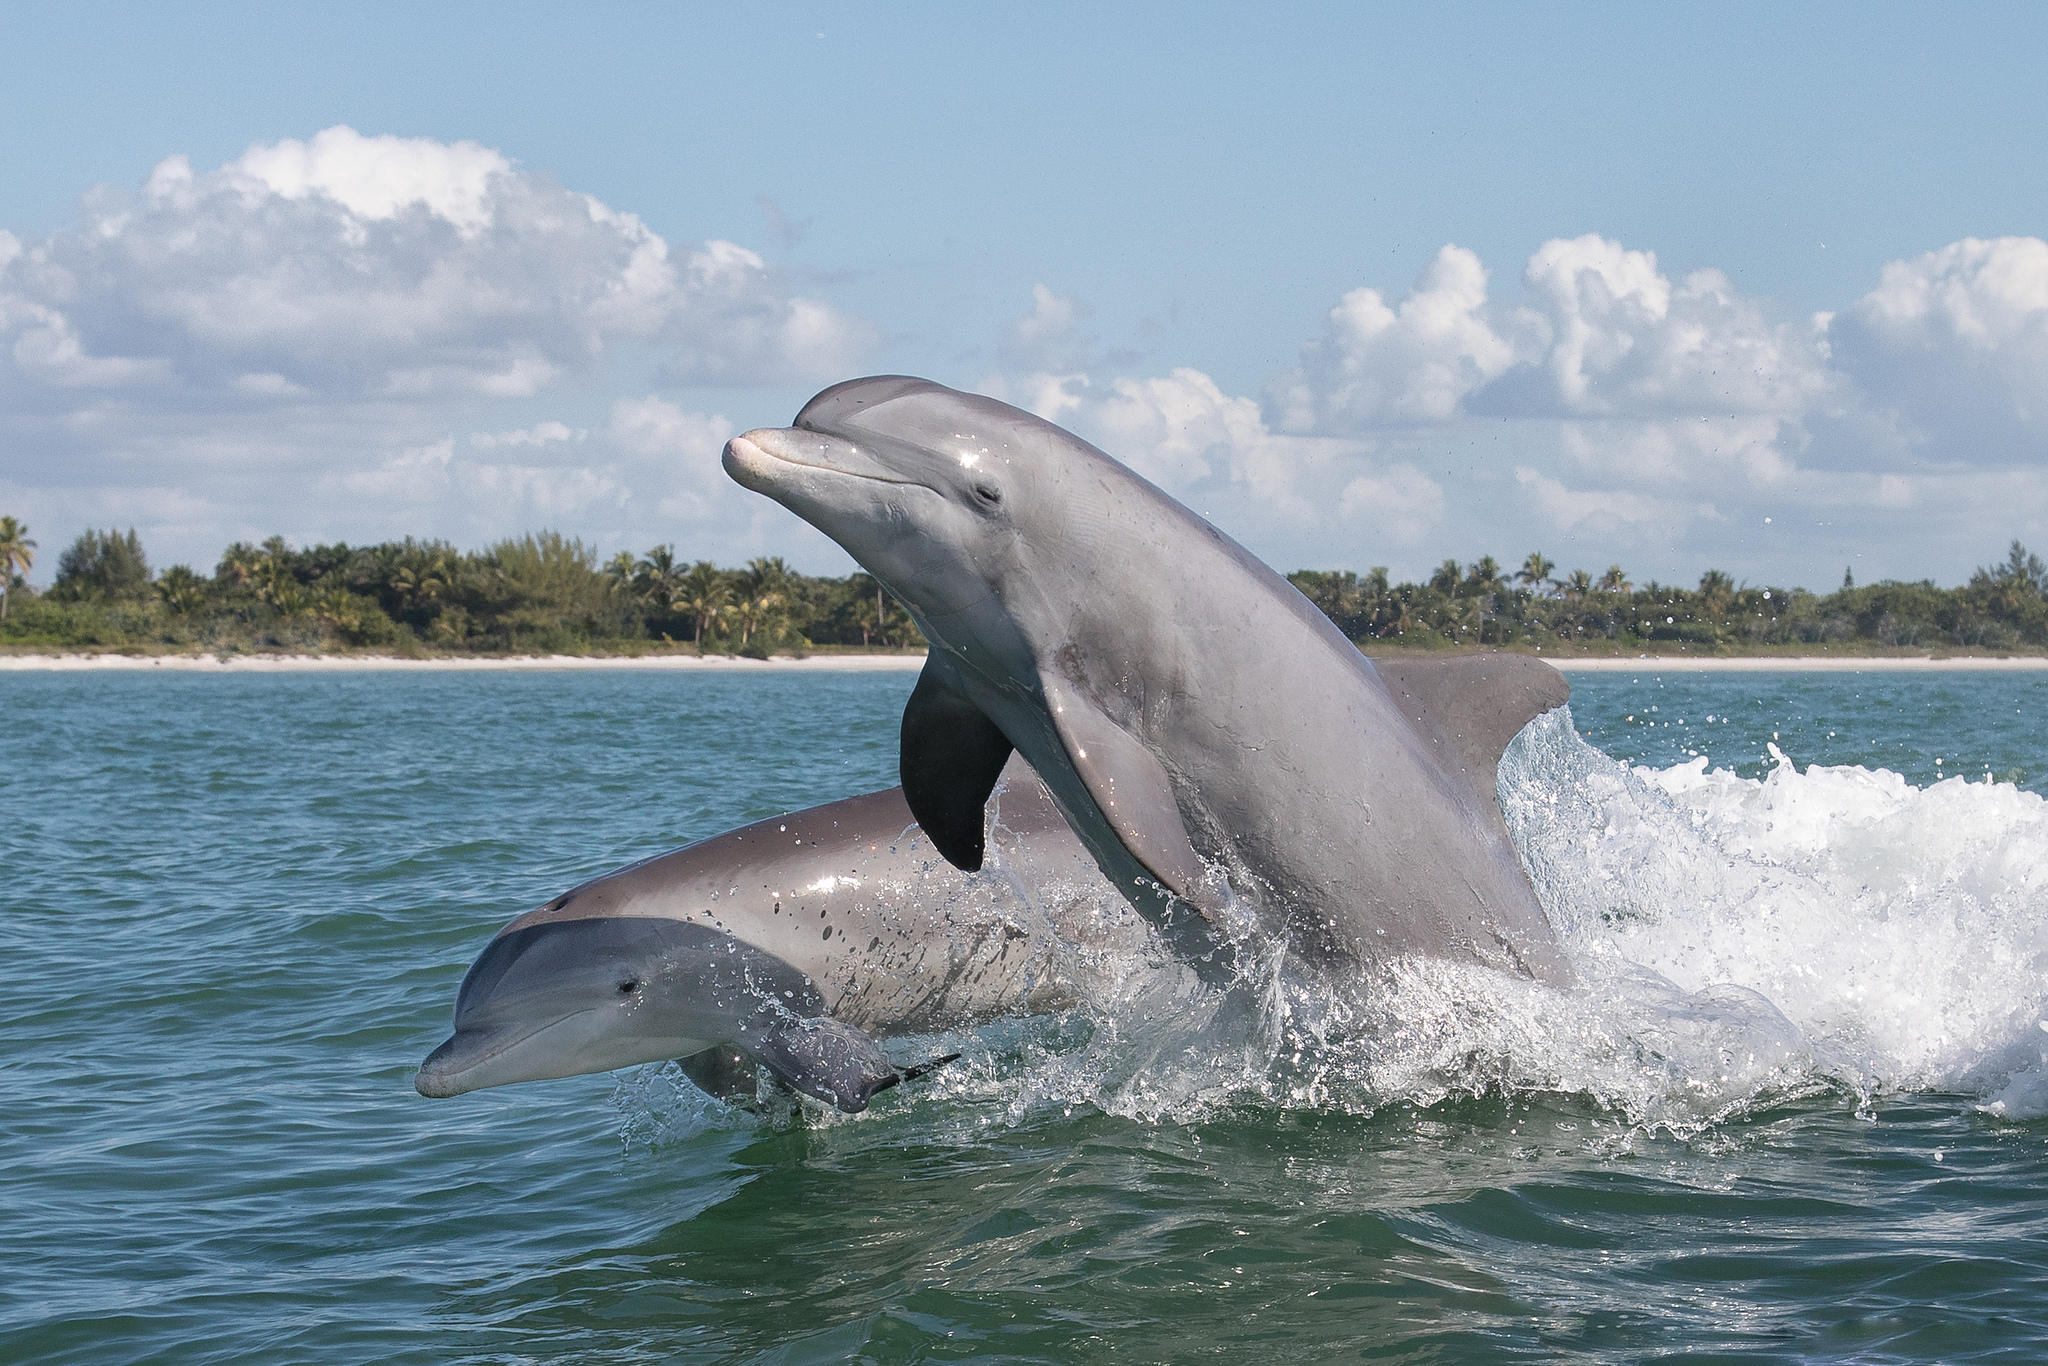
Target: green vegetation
{"x": 2001, "y": 609}
{"x": 539, "y": 594}
{"x": 17, "y": 555}
{"x": 546, "y": 594}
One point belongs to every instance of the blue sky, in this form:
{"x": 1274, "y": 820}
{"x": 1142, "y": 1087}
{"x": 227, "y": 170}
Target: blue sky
{"x": 1756, "y": 289}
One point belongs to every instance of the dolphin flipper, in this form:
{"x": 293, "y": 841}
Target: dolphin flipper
{"x": 829, "y": 1060}
{"x": 1131, "y": 789}
{"x": 951, "y": 757}
{"x": 722, "y": 1073}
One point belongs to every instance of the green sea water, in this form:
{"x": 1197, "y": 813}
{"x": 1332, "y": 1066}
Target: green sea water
{"x": 1794, "y": 1116}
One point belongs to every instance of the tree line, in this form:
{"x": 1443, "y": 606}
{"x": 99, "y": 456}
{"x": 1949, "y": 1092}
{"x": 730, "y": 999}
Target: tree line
{"x": 547, "y": 593}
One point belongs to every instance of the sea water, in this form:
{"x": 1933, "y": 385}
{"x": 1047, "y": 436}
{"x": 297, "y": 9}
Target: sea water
{"x": 1792, "y": 1111}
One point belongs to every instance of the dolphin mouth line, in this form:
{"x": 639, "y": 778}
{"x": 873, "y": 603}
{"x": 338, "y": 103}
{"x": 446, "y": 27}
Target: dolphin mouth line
{"x": 816, "y": 465}
{"x": 502, "y": 1049}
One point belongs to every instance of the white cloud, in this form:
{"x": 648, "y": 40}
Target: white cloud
{"x": 347, "y": 268}
{"x": 375, "y": 177}
{"x": 1619, "y": 514}
{"x": 656, "y": 429}
{"x": 1382, "y": 364}
{"x": 735, "y": 325}
{"x": 285, "y": 344}
{"x": 1952, "y": 347}
{"x": 1214, "y": 451}
{"x": 1047, "y": 339}
{"x": 540, "y": 434}
{"x": 1680, "y": 452}
{"x": 1402, "y": 504}
{"x": 649, "y": 473}
{"x": 1624, "y": 339}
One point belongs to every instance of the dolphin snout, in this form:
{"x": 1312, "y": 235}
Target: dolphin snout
{"x": 437, "y": 1076}
{"x": 768, "y": 456}
{"x": 746, "y": 461}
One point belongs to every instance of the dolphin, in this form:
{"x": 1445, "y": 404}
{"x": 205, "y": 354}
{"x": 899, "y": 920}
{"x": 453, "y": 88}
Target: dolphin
{"x": 1236, "y": 767}
{"x": 794, "y": 943}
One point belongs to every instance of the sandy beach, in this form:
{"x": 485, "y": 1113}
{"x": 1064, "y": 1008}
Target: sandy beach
{"x": 1786, "y": 664}
{"x": 282, "y": 663}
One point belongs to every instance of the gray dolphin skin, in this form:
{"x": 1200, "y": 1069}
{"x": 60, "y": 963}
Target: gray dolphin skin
{"x": 1235, "y": 766}
{"x": 794, "y": 943}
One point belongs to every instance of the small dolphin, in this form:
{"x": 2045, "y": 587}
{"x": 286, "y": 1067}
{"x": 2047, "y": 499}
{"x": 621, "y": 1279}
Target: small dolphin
{"x": 1234, "y": 765}
{"x": 792, "y": 943}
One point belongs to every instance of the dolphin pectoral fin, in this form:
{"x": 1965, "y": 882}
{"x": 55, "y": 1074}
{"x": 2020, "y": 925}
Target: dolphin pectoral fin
{"x": 912, "y": 1073}
{"x": 825, "y": 1059}
{"x": 1473, "y": 705}
{"x": 723, "y": 1073}
{"x": 951, "y": 757}
{"x": 1131, "y": 789}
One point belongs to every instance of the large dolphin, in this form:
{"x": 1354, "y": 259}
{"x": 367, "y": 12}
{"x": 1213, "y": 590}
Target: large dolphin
{"x": 1236, "y": 767}
{"x": 794, "y": 943}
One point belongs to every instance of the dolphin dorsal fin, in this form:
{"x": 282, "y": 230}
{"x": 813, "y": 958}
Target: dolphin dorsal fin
{"x": 950, "y": 759}
{"x": 1474, "y": 705}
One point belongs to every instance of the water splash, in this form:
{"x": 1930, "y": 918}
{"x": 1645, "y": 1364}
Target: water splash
{"x": 1901, "y": 932}
{"x": 1740, "y": 943}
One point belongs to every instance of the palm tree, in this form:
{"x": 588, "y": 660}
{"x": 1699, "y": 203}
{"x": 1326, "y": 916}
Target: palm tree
{"x": 657, "y": 576}
{"x": 181, "y": 590}
{"x": 1484, "y": 576}
{"x": 421, "y": 580}
{"x": 619, "y": 569}
{"x": 867, "y": 617}
{"x": 1717, "y": 592}
{"x": 762, "y": 613}
{"x": 239, "y": 564}
{"x": 1534, "y": 571}
{"x": 704, "y": 594}
{"x": 1577, "y": 585}
{"x": 17, "y": 554}
{"x": 1614, "y": 581}
{"x": 766, "y": 576}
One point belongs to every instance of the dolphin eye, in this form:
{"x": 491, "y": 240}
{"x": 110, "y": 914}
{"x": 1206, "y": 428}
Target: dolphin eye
{"x": 989, "y": 494}
{"x": 628, "y": 986}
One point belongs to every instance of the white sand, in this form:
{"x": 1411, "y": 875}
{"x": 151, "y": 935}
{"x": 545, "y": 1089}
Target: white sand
{"x": 267, "y": 663}
{"x": 1789, "y": 664}
{"x": 358, "y": 663}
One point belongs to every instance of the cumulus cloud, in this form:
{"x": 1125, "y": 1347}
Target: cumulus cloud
{"x": 348, "y": 267}
{"x": 649, "y": 473}
{"x": 320, "y": 338}
{"x": 1952, "y": 347}
{"x": 1680, "y": 452}
{"x": 1214, "y": 451}
{"x": 1622, "y": 515}
{"x": 1623, "y": 338}
{"x": 540, "y": 434}
{"x": 1047, "y": 340}
{"x": 1417, "y": 361}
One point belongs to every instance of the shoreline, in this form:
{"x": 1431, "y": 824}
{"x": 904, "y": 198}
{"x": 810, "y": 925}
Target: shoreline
{"x": 869, "y": 663}
{"x": 1792, "y": 664}
{"x": 303, "y": 663}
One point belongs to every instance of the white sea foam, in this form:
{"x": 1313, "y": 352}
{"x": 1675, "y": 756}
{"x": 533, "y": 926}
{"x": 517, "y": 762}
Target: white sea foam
{"x": 1739, "y": 942}
{"x": 1902, "y": 931}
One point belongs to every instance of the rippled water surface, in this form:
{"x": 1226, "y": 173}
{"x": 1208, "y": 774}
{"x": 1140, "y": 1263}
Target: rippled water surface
{"x": 1792, "y": 1114}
